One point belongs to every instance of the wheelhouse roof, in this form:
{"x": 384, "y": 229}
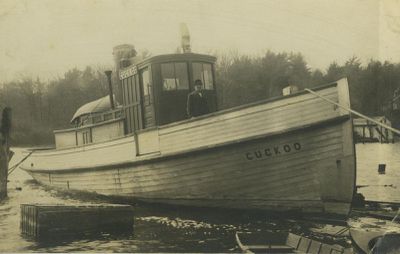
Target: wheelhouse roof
{"x": 183, "y": 57}
{"x": 176, "y": 57}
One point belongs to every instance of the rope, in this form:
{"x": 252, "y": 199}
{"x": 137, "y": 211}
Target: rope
{"x": 377, "y": 185}
{"x": 354, "y": 112}
{"x": 341, "y": 232}
{"x": 16, "y": 165}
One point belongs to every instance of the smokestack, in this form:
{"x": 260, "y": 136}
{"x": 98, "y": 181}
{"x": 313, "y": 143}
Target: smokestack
{"x": 108, "y": 74}
{"x": 123, "y": 55}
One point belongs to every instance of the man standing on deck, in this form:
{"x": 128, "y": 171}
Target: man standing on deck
{"x": 196, "y": 102}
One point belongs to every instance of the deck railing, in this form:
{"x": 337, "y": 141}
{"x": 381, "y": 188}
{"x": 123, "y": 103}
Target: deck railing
{"x": 98, "y": 128}
{"x": 105, "y": 116}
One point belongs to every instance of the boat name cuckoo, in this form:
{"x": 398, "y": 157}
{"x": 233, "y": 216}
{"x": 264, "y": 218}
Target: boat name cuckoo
{"x": 273, "y": 151}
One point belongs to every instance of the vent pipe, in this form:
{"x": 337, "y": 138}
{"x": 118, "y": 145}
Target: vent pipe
{"x": 185, "y": 38}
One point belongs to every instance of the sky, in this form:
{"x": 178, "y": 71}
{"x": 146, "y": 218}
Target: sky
{"x": 45, "y": 38}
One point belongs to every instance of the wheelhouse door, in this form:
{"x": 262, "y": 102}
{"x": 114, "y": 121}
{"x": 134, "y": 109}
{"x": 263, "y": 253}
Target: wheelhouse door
{"x": 132, "y": 104}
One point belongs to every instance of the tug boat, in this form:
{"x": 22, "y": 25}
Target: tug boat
{"x": 288, "y": 153}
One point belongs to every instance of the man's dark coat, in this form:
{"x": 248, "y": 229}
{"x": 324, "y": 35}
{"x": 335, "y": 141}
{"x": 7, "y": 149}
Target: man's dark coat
{"x": 197, "y": 104}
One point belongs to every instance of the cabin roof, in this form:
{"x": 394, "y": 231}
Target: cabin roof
{"x": 97, "y": 106}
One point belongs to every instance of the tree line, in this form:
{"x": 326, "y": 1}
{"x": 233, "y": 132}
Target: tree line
{"x": 39, "y": 107}
{"x": 243, "y": 79}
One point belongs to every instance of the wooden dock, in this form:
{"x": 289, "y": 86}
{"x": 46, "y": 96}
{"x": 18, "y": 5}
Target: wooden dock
{"x": 367, "y": 131}
{"x": 44, "y": 220}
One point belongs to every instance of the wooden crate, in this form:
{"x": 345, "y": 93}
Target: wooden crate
{"x": 41, "y": 220}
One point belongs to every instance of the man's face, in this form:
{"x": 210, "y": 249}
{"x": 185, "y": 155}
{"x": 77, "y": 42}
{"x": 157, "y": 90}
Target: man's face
{"x": 197, "y": 87}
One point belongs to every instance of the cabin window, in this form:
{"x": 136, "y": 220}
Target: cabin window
{"x": 203, "y": 71}
{"x": 97, "y": 119}
{"x": 85, "y": 120}
{"x": 108, "y": 116}
{"x": 174, "y": 76}
{"x": 118, "y": 114}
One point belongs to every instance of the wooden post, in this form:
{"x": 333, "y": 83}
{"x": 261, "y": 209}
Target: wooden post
{"x": 363, "y": 134}
{"x": 5, "y": 153}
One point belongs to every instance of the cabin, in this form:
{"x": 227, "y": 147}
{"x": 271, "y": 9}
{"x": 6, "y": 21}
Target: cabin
{"x": 94, "y": 122}
{"x": 154, "y": 93}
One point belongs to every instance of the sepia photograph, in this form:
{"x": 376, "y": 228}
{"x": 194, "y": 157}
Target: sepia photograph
{"x": 200, "y": 126}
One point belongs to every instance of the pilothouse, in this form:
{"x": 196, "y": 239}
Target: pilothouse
{"x": 155, "y": 90}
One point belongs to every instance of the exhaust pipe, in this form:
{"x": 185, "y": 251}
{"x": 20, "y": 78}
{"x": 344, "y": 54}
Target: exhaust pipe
{"x": 108, "y": 74}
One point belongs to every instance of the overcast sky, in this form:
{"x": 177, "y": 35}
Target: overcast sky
{"x": 46, "y": 38}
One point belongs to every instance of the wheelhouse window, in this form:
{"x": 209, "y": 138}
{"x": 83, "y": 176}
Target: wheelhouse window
{"x": 174, "y": 76}
{"x": 203, "y": 71}
{"x": 145, "y": 81}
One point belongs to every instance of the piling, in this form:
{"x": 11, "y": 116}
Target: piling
{"x": 42, "y": 221}
{"x": 5, "y": 153}
{"x": 3, "y": 170}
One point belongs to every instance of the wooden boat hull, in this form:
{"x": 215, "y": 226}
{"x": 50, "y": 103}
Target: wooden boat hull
{"x": 306, "y": 167}
{"x": 370, "y": 235}
{"x": 365, "y": 241}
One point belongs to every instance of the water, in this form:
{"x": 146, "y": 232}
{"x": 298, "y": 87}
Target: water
{"x": 176, "y": 229}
